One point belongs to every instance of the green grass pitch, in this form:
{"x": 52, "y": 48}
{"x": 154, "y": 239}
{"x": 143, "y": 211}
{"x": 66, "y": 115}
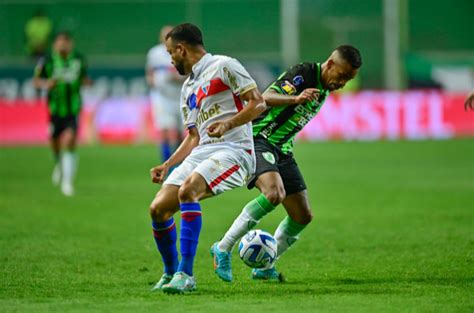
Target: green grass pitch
{"x": 393, "y": 232}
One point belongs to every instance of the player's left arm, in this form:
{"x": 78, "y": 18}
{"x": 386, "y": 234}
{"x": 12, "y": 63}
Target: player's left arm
{"x": 255, "y": 106}
{"x": 242, "y": 85}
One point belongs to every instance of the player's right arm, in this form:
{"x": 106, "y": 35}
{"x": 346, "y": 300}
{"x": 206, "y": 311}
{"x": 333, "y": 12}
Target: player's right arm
{"x": 469, "y": 103}
{"x": 295, "y": 86}
{"x": 158, "y": 173}
{"x": 41, "y": 79}
{"x": 274, "y": 99}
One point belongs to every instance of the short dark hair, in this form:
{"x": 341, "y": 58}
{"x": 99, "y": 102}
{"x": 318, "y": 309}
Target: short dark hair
{"x": 351, "y": 55}
{"x": 187, "y": 33}
{"x": 64, "y": 34}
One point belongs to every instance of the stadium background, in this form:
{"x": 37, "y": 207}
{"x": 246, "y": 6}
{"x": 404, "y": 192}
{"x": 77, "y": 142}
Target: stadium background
{"x": 434, "y": 53}
{"x": 393, "y": 218}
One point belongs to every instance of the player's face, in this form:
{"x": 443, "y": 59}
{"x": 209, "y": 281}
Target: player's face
{"x": 177, "y": 53}
{"x": 337, "y": 75}
{"x": 63, "y": 45}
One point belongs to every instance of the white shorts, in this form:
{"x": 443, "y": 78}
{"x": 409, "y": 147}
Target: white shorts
{"x": 165, "y": 111}
{"x": 222, "y": 167}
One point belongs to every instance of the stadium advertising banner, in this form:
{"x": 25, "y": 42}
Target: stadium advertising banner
{"x": 367, "y": 115}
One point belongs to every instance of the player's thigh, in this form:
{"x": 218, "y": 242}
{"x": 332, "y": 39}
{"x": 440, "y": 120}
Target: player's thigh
{"x": 184, "y": 170}
{"x": 298, "y": 207}
{"x": 226, "y": 169}
{"x": 165, "y": 203}
{"x": 266, "y": 169}
{"x": 56, "y": 127}
{"x": 69, "y": 132}
{"x": 194, "y": 188}
{"x": 69, "y": 138}
{"x": 291, "y": 175}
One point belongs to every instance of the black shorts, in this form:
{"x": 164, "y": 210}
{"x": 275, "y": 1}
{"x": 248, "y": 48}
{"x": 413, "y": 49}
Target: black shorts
{"x": 59, "y": 124}
{"x": 271, "y": 159}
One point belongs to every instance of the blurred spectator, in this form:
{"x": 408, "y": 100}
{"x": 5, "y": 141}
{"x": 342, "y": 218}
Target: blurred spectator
{"x": 37, "y": 31}
{"x": 165, "y": 90}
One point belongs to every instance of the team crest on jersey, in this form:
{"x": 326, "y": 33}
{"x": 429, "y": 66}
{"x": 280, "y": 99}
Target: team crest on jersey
{"x": 298, "y": 80}
{"x": 191, "y": 102}
{"x": 205, "y": 88}
{"x": 288, "y": 88}
{"x": 269, "y": 157}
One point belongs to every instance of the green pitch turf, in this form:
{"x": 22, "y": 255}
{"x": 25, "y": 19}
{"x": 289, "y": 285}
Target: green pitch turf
{"x": 393, "y": 232}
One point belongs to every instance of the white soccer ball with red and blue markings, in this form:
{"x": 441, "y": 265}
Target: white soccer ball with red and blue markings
{"x": 258, "y": 249}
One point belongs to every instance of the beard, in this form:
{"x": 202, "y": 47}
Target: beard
{"x": 333, "y": 86}
{"x": 180, "y": 68}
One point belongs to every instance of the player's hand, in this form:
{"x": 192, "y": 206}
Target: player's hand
{"x": 469, "y": 103}
{"x": 158, "y": 173}
{"x": 50, "y": 83}
{"x": 307, "y": 95}
{"x": 217, "y": 129}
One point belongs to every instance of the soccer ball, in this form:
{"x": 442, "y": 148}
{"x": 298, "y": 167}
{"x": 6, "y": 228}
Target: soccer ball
{"x": 258, "y": 249}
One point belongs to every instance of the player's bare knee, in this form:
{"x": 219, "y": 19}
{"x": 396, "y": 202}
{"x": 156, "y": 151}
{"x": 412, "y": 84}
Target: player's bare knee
{"x": 275, "y": 194}
{"x": 158, "y": 213}
{"x": 154, "y": 212}
{"x": 187, "y": 193}
{"x": 307, "y": 217}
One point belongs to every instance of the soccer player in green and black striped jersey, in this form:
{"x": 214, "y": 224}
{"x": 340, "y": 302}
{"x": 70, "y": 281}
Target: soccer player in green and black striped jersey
{"x": 62, "y": 73}
{"x": 293, "y": 100}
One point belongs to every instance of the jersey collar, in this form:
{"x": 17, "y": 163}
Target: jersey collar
{"x": 319, "y": 85}
{"x": 198, "y": 67}
{"x": 57, "y": 56}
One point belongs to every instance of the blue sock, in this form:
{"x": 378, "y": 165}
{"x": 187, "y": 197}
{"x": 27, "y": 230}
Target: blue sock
{"x": 191, "y": 222}
{"x": 165, "y": 238}
{"x": 165, "y": 150}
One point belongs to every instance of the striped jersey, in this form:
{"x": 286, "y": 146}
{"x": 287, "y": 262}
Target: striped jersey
{"x": 279, "y": 125}
{"x": 212, "y": 93}
{"x": 64, "y": 99}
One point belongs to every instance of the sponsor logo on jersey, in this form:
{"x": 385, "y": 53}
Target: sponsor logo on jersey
{"x": 68, "y": 74}
{"x": 269, "y": 157}
{"x": 288, "y": 88}
{"x": 203, "y": 116}
{"x": 268, "y": 129}
{"x": 305, "y": 115}
{"x": 298, "y": 80}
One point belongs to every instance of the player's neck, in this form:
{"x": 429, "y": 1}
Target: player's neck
{"x": 63, "y": 55}
{"x": 195, "y": 57}
{"x": 323, "y": 73}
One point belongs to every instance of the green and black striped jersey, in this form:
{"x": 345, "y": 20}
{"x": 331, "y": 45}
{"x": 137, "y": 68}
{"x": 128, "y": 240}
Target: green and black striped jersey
{"x": 64, "y": 99}
{"x": 279, "y": 125}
